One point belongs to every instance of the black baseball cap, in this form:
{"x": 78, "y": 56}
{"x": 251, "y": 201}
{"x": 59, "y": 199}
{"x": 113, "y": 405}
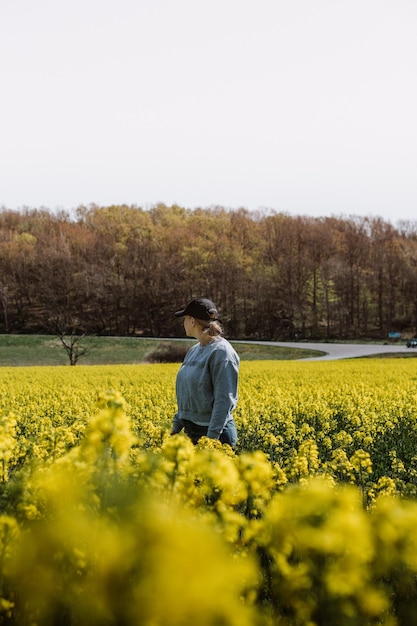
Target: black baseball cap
{"x": 200, "y": 308}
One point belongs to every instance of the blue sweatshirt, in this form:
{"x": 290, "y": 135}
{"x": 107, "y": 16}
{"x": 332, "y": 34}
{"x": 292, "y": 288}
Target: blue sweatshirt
{"x": 206, "y": 386}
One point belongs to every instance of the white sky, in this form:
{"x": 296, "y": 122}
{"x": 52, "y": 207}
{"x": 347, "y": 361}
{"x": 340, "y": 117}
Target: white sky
{"x": 302, "y": 106}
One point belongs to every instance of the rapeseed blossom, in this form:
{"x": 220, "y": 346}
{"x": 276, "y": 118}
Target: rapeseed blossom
{"x": 310, "y": 521}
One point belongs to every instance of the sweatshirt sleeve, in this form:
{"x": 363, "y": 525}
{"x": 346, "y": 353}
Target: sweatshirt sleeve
{"x": 225, "y": 373}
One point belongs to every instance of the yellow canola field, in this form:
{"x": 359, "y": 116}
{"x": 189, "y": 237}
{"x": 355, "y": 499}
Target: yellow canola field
{"x": 106, "y": 519}
{"x": 356, "y": 420}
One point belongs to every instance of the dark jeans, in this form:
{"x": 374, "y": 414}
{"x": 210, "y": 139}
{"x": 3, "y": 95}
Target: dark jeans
{"x": 228, "y": 434}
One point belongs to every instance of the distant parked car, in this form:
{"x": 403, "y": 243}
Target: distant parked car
{"x": 412, "y": 343}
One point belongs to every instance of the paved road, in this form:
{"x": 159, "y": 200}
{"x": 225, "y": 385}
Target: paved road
{"x": 341, "y": 350}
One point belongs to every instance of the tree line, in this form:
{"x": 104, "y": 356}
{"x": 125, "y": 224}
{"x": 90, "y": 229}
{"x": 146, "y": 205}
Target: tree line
{"x": 124, "y": 270}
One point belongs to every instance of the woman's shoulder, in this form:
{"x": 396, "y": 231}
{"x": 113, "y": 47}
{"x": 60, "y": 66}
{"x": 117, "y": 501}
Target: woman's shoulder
{"x": 225, "y": 348}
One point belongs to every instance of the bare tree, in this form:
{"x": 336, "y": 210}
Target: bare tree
{"x": 70, "y": 336}
{"x": 4, "y": 298}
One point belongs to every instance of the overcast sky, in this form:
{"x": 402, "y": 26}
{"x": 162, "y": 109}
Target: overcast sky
{"x": 308, "y": 107}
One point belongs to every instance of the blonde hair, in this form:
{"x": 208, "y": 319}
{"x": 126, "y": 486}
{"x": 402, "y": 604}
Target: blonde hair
{"x": 212, "y": 328}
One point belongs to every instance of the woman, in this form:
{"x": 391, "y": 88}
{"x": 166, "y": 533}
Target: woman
{"x": 207, "y": 381}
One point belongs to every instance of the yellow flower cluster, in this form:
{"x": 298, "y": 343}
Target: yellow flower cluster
{"x": 106, "y": 519}
{"x": 355, "y": 421}
{"x": 8, "y": 444}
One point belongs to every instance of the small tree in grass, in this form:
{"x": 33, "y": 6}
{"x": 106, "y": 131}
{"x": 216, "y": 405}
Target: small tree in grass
{"x": 70, "y": 334}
